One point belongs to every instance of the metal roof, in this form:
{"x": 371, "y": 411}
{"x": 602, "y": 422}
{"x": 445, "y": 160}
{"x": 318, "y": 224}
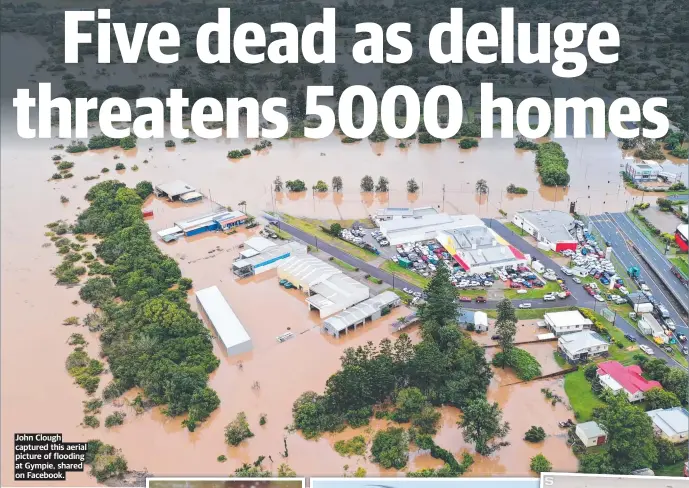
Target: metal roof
{"x": 672, "y": 421}
{"x": 581, "y": 341}
{"x": 337, "y": 289}
{"x": 553, "y": 225}
{"x": 225, "y": 322}
{"x": 207, "y": 219}
{"x": 569, "y": 318}
{"x": 259, "y": 243}
{"x": 292, "y": 247}
{"x": 175, "y": 188}
{"x": 591, "y": 429}
{"x": 308, "y": 270}
{"x": 359, "y": 312}
{"x": 192, "y": 195}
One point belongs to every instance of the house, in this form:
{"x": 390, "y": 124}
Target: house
{"x": 478, "y": 319}
{"x": 582, "y": 346}
{"x": 590, "y": 434}
{"x": 616, "y": 378}
{"x": 551, "y": 228}
{"x": 671, "y": 423}
{"x": 566, "y": 322}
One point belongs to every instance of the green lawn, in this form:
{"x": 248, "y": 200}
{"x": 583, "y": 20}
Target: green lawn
{"x": 682, "y": 264}
{"x": 676, "y": 469}
{"x": 550, "y": 287}
{"x": 559, "y": 360}
{"x": 404, "y": 273}
{"x": 531, "y": 313}
{"x": 313, "y": 227}
{"x": 344, "y": 265}
{"x": 580, "y": 396}
{"x": 375, "y": 280}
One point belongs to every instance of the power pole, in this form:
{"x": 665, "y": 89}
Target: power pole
{"x": 443, "y": 197}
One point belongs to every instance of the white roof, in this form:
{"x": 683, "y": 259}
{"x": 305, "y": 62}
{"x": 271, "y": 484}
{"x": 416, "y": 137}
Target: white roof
{"x": 480, "y": 318}
{"x": 175, "y": 188}
{"x": 249, "y": 253}
{"x": 338, "y": 289}
{"x": 683, "y": 229}
{"x": 361, "y": 311}
{"x": 292, "y": 248}
{"x": 225, "y": 322}
{"x": 308, "y": 270}
{"x": 192, "y": 195}
{"x": 581, "y": 341}
{"x": 591, "y": 429}
{"x": 169, "y": 231}
{"x": 652, "y": 323}
{"x": 671, "y": 421}
{"x": 545, "y": 337}
{"x": 432, "y": 220}
{"x": 569, "y": 318}
{"x": 259, "y": 244}
{"x": 552, "y": 224}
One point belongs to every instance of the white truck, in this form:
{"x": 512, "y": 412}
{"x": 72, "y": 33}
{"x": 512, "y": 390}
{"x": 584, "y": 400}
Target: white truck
{"x": 537, "y": 267}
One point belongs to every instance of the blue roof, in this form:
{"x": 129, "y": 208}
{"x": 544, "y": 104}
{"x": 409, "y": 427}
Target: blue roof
{"x": 465, "y": 317}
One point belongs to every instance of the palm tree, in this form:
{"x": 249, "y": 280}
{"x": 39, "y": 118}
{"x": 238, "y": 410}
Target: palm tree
{"x": 481, "y": 187}
{"x": 337, "y": 183}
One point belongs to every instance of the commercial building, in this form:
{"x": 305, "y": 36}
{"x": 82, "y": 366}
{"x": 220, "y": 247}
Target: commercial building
{"x": 477, "y": 319}
{"x": 566, "y": 322}
{"x": 582, "y": 346}
{"x": 415, "y": 229}
{"x": 220, "y": 220}
{"x": 227, "y": 326}
{"x": 328, "y": 289}
{"x": 261, "y": 255}
{"x": 390, "y": 213}
{"x": 642, "y": 171}
{"x": 682, "y": 237}
{"x": 173, "y": 190}
{"x": 368, "y": 310}
{"x": 590, "y": 434}
{"x": 616, "y": 377}
{"x": 671, "y": 423}
{"x": 551, "y": 228}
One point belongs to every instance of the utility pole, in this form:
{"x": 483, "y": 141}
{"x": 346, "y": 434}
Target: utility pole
{"x": 443, "y": 197}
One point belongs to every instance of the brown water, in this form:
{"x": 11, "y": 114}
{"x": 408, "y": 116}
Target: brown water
{"x": 38, "y": 395}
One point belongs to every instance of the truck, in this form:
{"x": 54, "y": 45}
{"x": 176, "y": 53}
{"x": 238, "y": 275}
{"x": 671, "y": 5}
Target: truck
{"x": 633, "y": 272}
{"x": 643, "y": 307}
{"x": 538, "y": 267}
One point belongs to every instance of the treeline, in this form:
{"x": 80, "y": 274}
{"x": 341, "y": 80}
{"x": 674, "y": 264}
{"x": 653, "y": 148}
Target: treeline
{"x": 151, "y": 338}
{"x": 446, "y": 368}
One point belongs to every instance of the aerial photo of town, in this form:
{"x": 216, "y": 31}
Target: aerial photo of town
{"x": 240, "y": 307}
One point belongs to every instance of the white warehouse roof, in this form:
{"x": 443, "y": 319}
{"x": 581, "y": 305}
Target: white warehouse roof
{"x": 259, "y": 244}
{"x": 579, "y": 342}
{"x": 308, "y": 271}
{"x": 363, "y": 310}
{"x": 672, "y": 421}
{"x": 569, "y": 318}
{"x": 224, "y": 321}
{"x": 175, "y": 188}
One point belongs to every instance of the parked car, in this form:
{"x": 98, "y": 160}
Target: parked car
{"x": 464, "y": 299}
{"x": 524, "y": 305}
{"x": 522, "y": 291}
{"x": 576, "y": 280}
{"x": 646, "y": 349}
{"x": 630, "y": 337}
{"x": 548, "y": 298}
{"x": 599, "y": 298}
{"x": 480, "y": 299}
{"x": 495, "y": 337}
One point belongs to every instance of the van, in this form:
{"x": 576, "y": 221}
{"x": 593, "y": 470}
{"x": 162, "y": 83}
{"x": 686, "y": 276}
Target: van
{"x": 548, "y": 298}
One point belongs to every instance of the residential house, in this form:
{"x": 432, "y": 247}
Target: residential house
{"x": 671, "y": 423}
{"x": 582, "y": 346}
{"x": 566, "y": 322}
{"x": 628, "y": 379}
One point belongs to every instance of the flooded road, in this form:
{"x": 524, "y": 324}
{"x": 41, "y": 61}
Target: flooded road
{"x": 34, "y": 348}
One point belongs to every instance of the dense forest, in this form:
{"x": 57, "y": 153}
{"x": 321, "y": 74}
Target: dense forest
{"x": 151, "y": 338}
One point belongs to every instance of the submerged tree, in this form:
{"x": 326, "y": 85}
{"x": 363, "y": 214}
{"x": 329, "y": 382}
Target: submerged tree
{"x": 337, "y": 183}
{"x": 506, "y": 326}
{"x": 482, "y": 425}
{"x": 277, "y": 184}
{"x": 383, "y": 185}
{"x": 367, "y": 184}
{"x": 481, "y": 187}
{"x": 412, "y": 186}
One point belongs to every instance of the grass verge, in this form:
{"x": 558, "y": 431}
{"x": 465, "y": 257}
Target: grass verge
{"x": 682, "y": 264}
{"x": 313, "y": 227}
{"x": 532, "y": 313}
{"x": 405, "y": 274}
{"x": 344, "y": 265}
{"x": 550, "y": 287}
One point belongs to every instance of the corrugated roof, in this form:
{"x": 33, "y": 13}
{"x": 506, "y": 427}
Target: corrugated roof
{"x": 224, "y": 320}
{"x": 581, "y": 341}
{"x": 553, "y": 225}
{"x": 672, "y": 421}
{"x": 629, "y": 377}
{"x": 591, "y": 429}
{"x": 175, "y": 188}
{"x": 570, "y": 318}
{"x": 258, "y": 243}
{"x": 359, "y": 312}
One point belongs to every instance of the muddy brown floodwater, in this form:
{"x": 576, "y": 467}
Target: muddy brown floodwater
{"x": 39, "y": 396}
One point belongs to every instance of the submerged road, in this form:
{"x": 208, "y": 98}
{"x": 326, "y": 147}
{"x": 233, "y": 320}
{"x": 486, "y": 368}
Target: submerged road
{"x": 579, "y": 296}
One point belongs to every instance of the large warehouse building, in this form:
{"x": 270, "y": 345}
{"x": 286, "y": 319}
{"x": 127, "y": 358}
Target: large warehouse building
{"x": 356, "y": 316}
{"x": 475, "y": 247}
{"x": 551, "y": 228}
{"x": 219, "y": 220}
{"x": 329, "y": 290}
{"x": 261, "y": 255}
{"x": 223, "y": 319}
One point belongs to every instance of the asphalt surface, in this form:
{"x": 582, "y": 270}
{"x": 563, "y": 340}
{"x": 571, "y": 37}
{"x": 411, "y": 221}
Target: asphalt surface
{"x": 579, "y": 296}
{"x": 655, "y": 258}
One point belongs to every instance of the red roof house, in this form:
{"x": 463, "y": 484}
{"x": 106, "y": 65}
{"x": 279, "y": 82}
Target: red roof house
{"x": 616, "y": 377}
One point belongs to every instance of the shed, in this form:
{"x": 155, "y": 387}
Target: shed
{"x": 227, "y": 326}
{"x": 590, "y": 434}
{"x": 173, "y": 190}
{"x": 170, "y": 234}
{"x": 192, "y": 196}
{"x": 370, "y": 310}
{"x": 476, "y": 318}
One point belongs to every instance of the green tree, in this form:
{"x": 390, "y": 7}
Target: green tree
{"x": 506, "y": 327}
{"x": 284, "y": 471}
{"x": 668, "y": 453}
{"x": 630, "y": 434}
{"x": 367, "y": 184}
{"x": 412, "y": 186}
{"x": 481, "y": 187}
{"x": 410, "y": 402}
{"x": 390, "y": 448}
{"x": 335, "y": 229}
{"x": 237, "y": 430}
{"x": 659, "y": 398}
{"x": 337, "y": 183}
{"x": 383, "y": 185}
{"x": 534, "y": 434}
{"x": 426, "y": 421}
{"x": 596, "y": 463}
{"x": 676, "y": 380}
{"x": 482, "y": 425}
{"x": 440, "y": 308}
{"x": 540, "y": 464}
{"x": 320, "y": 186}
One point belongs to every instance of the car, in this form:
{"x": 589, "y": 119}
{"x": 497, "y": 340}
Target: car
{"x": 480, "y": 299}
{"x": 667, "y": 348}
{"x": 599, "y": 298}
{"x": 685, "y": 351}
{"x": 495, "y": 337}
{"x": 682, "y": 338}
{"x": 524, "y": 305}
{"x": 646, "y": 349}
{"x": 548, "y": 298}
{"x": 576, "y": 280}
{"x": 464, "y": 299}
{"x": 630, "y": 337}
{"x": 670, "y": 324}
{"x": 522, "y": 291}
{"x": 408, "y": 290}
